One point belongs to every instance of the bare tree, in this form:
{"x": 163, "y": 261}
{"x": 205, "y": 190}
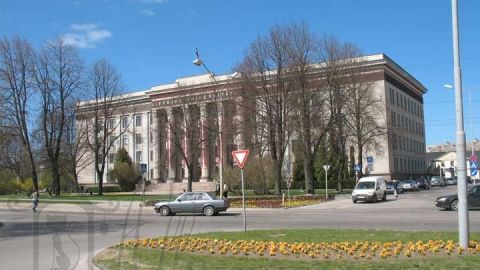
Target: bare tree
{"x": 266, "y": 64}
{"x": 362, "y": 105}
{"x": 333, "y": 55}
{"x": 310, "y": 102}
{"x": 58, "y": 79}
{"x": 105, "y": 84}
{"x": 74, "y": 154}
{"x": 17, "y": 83}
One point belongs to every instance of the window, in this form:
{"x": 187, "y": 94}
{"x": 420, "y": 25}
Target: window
{"x": 452, "y": 163}
{"x": 111, "y": 123}
{"x": 111, "y": 140}
{"x": 138, "y": 120}
{"x": 392, "y": 116}
{"x": 392, "y": 96}
{"x": 151, "y": 137}
{"x": 150, "y": 116}
{"x": 138, "y": 138}
{"x": 138, "y": 156}
{"x": 151, "y": 155}
{"x": 111, "y": 157}
{"x": 151, "y": 174}
{"x": 398, "y": 102}
{"x": 124, "y": 121}
{"x": 125, "y": 139}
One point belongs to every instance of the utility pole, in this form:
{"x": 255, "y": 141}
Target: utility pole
{"x": 463, "y": 229}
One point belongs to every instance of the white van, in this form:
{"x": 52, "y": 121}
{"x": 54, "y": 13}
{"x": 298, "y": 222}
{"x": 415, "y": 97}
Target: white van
{"x": 370, "y": 189}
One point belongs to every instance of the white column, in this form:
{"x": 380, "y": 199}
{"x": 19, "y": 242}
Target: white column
{"x": 239, "y": 141}
{"x": 170, "y": 145}
{"x": 185, "y": 143}
{"x": 203, "y": 138}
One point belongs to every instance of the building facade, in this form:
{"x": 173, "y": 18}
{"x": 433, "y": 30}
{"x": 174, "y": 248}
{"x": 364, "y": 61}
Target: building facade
{"x": 199, "y": 119}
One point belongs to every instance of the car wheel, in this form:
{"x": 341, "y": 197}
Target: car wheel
{"x": 164, "y": 211}
{"x": 374, "y": 198}
{"x": 454, "y": 205}
{"x": 384, "y": 198}
{"x": 354, "y": 201}
{"x": 208, "y": 210}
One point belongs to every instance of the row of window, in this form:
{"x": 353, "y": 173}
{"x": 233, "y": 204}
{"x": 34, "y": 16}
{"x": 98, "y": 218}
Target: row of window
{"x": 402, "y": 143}
{"x": 138, "y": 157}
{"x": 406, "y": 103}
{"x": 125, "y": 121}
{"x": 403, "y": 165}
{"x": 406, "y": 123}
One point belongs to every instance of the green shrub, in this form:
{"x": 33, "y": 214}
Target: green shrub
{"x": 125, "y": 172}
{"x": 258, "y": 173}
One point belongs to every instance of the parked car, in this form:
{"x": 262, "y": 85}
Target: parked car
{"x": 451, "y": 181}
{"x": 370, "y": 188}
{"x": 423, "y": 184}
{"x": 390, "y": 187}
{"x": 450, "y": 202}
{"x": 410, "y": 185}
{"x": 437, "y": 181}
{"x": 193, "y": 202}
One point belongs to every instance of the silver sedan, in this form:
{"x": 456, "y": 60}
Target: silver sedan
{"x": 193, "y": 202}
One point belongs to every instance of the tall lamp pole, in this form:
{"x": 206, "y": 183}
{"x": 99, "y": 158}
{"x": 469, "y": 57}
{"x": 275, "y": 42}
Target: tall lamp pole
{"x": 463, "y": 229}
{"x": 198, "y": 62}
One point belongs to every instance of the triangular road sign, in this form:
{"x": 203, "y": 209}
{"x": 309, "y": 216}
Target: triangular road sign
{"x": 240, "y": 156}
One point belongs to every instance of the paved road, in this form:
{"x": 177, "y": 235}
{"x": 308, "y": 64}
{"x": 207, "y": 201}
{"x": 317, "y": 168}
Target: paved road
{"x": 67, "y": 240}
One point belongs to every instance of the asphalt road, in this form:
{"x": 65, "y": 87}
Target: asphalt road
{"x": 68, "y": 240}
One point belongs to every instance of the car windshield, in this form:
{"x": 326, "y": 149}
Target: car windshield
{"x": 365, "y": 185}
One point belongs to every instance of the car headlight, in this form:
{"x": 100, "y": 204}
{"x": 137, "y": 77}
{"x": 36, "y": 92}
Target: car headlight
{"x": 442, "y": 199}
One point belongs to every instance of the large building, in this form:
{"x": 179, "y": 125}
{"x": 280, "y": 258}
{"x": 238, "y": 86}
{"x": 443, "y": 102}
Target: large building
{"x": 149, "y": 122}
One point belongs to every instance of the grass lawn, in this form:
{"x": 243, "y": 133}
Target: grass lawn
{"x": 147, "y": 258}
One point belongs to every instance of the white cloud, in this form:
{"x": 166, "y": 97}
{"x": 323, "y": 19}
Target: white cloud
{"x": 86, "y": 35}
{"x": 147, "y": 12}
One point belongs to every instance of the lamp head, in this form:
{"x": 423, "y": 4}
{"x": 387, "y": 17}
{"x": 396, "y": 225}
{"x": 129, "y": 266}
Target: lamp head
{"x": 197, "y": 62}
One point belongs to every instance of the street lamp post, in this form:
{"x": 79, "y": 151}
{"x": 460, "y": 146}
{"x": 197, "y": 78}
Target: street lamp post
{"x": 463, "y": 226}
{"x": 199, "y": 62}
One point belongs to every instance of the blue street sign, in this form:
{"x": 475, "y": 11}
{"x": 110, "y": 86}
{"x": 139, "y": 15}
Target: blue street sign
{"x": 357, "y": 167}
{"x": 370, "y": 160}
{"x": 473, "y": 169}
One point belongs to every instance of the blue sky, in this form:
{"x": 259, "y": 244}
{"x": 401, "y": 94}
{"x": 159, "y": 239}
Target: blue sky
{"x": 153, "y": 42}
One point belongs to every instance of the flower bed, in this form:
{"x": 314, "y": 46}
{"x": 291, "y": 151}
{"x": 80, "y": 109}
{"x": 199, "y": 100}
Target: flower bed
{"x": 271, "y": 201}
{"x": 277, "y": 202}
{"x": 358, "y": 250}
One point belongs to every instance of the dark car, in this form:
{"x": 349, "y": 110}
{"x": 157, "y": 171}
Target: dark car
{"x": 423, "y": 184}
{"x": 391, "y": 187}
{"x": 451, "y": 201}
{"x": 437, "y": 181}
{"x": 193, "y": 202}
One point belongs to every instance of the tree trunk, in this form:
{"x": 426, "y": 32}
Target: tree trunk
{"x": 278, "y": 177}
{"x": 56, "y": 177}
{"x": 34, "y": 170}
{"x": 359, "y": 157}
{"x": 100, "y": 183}
{"x": 75, "y": 177}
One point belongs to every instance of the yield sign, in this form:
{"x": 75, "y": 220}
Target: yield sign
{"x": 240, "y": 156}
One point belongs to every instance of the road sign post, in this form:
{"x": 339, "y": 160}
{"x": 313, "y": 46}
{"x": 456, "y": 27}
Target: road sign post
{"x": 326, "y": 168}
{"x": 357, "y": 169}
{"x": 240, "y": 156}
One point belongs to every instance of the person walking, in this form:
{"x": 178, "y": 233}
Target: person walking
{"x": 225, "y": 191}
{"x": 35, "y": 200}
